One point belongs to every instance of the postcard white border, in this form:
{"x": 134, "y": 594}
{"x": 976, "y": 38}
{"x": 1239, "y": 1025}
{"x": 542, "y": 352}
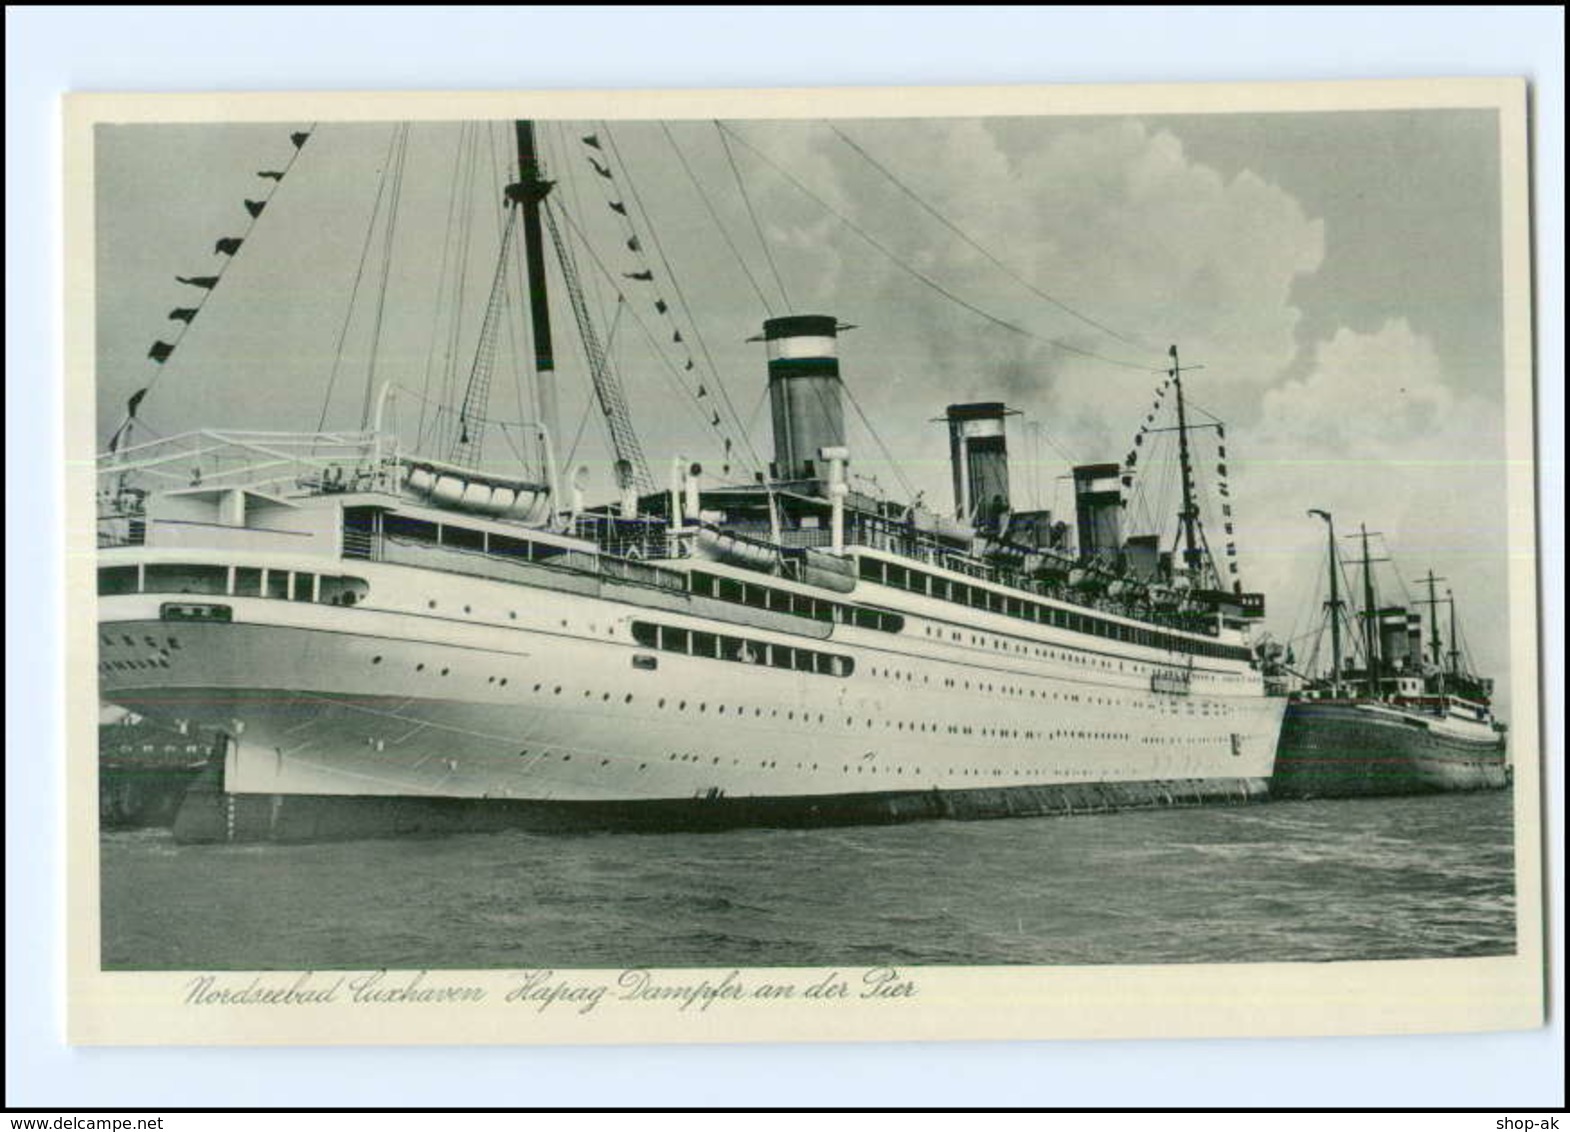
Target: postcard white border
{"x": 1197, "y": 43}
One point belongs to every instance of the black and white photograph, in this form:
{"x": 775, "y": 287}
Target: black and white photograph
{"x": 861, "y": 538}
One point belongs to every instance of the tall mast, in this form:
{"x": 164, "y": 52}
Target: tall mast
{"x": 1433, "y": 626}
{"x": 528, "y": 193}
{"x": 1370, "y": 625}
{"x": 1189, "y": 512}
{"x": 1455, "y": 645}
{"x": 1334, "y": 605}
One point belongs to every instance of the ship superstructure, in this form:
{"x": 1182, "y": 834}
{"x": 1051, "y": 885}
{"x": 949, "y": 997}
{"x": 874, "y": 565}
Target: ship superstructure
{"x": 388, "y": 641}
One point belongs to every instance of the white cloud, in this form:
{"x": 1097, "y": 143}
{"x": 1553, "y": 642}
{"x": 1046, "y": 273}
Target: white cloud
{"x": 1374, "y": 435}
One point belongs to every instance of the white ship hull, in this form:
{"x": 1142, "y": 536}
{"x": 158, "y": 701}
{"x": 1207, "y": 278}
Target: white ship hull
{"x": 464, "y": 689}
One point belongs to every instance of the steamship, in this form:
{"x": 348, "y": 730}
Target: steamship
{"x": 1383, "y": 720}
{"x": 390, "y": 641}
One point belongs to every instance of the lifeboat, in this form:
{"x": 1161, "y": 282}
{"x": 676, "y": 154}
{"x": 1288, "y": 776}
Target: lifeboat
{"x": 735, "y": 550}
{"x": 462, "y": 489}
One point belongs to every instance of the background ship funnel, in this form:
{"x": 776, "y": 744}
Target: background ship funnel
{"x": 978, "y": 453}
{"x": 804, "y": 393}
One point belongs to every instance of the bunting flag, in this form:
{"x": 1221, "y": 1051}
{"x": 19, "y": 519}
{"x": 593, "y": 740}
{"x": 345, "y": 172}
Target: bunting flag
{"x": 1221, "y": 432}
{"x": 160, "y": 352}
{"x": 1228, "y": 527}
{"x": 688, "y": 366}
{"x": 228, "y": 245}
{"x": 600, "y": 169}
{"x": 644, "y": 276}
{"x": 206, "y": 281}
{"x": 702, "y": 392}
{"x": 254, "y": 207}
{"x": 727, "y": 446}
{"x": 299, "y": 139}
{"x": 618, "y": 207}
{"x": 271, "y": 174}
{"x": 1221, "y": 469}
{"x": 716, "y": 421}
{"x": 1232, "y": 566}
{"x": 1231, "y": 550}
{"x": 591, "y": 140}
{"x": 1140, "y": 439}
{"x": 184, "y": 314}
{"x": 134, "y": 401}
{"x": 1221, "y": 451}
{"x": 676, "y": 336}
{"x": 1226, "y": 509}
{"x": 1128, "y": 481}
{"x": 633, "y": 245}
{"x": 659, "y": 305}
{"x": 1133, "y": 458}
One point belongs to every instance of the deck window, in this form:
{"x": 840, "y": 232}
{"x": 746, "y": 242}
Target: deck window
{"x": 408, "y": 529}
{"x": 462, "y": 538}
{"x": 247, "y": 581}
{"x": 341, "y": 590}
{"x": 505, "y": 546}
{"x": 116, "y": 580}
{"x": 163, "y": 578}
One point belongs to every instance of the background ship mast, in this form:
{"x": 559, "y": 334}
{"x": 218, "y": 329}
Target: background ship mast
{"x": 1433, "y": 624}
{"x": 1334, "y": 606}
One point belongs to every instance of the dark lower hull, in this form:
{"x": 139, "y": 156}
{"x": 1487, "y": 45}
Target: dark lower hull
{"x": 140, "y": 795}
{"x": 210, "y": 814}
{"x": 1330, "y": 750}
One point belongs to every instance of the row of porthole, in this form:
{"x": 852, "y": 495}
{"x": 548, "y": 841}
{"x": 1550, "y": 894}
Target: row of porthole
{"x": 125, "y": 665}
{"x": 1054, "y": 654}
{"x": 868, "y": 766}
{"x": 149, "y": 641}
{"x": 807, "y": 716}
{"x": 512, "y": 615}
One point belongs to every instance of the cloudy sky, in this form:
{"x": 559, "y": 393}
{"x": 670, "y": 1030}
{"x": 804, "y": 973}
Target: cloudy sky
{"x": 1337, "y": 276}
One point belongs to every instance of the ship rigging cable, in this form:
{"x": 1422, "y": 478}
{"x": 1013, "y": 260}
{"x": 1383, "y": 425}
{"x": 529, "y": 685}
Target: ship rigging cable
{"x": 921, "y": 276}
{"x": 718, "y": 224}
{"x": 359, "y": 277}
{"x": 656, "y": 349}
{"x": 681, "y": 296}
{"x": 1005, "y": 268}
{"x": 746, "y": 198}
{"x": 228, "y": 247}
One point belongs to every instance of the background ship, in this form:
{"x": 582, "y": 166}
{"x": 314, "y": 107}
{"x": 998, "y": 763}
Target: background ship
{"x": 391, "y": 638}
{"x": 1387, "y": 721}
